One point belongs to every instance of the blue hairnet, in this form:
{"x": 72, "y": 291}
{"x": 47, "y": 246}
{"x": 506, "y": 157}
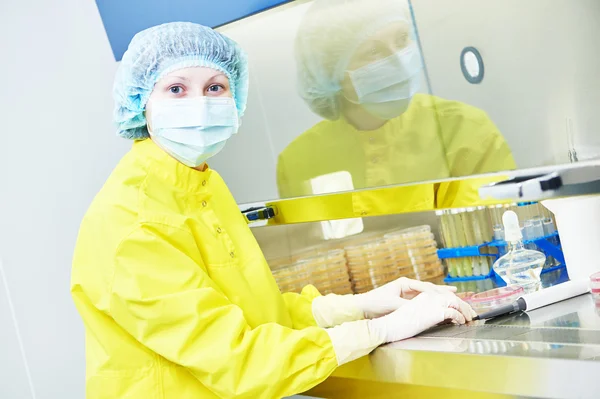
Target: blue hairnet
{"x": 328, "y": 36}
{"x": 162, "y": 49}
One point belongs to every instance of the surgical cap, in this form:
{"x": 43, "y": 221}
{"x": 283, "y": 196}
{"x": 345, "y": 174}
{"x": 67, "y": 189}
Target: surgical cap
{"x": 329, "y": 34}
{"x": 160, "y": 50}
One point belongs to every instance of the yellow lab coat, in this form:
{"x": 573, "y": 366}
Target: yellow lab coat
{"x": 177, "y": 298}
{"x": 434, "y": 139}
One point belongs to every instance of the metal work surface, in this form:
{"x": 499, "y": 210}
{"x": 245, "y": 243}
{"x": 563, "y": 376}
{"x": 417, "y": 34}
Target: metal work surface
{"x": 553, "y": 352}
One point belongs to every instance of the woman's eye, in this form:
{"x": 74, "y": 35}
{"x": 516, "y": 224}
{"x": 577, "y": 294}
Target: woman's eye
{"x": 214, "y": 88}
{"x": 176, "y": 90}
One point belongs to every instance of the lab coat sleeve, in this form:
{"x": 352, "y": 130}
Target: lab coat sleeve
{"x": 490, "y": 153}
{"x": 162, "y": 295}
{"x": 290, "y": 185}
{"x": 282, "y": 180}
{"x": 300, "y": 307}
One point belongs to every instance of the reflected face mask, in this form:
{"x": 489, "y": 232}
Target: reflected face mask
{"x": 385, "y": 87}
{"x": 194, "y": 130}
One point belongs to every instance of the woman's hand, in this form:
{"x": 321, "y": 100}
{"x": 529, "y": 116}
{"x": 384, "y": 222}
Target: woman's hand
{"x": 333, "y": 310}
{"x": 388, "y": 298}
{"x": 419, "y": 314}
{"x": 352, "y": 340}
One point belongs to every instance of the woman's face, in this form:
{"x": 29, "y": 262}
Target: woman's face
{"x": 188, "y": 83}
{"x": 385, "y": 42}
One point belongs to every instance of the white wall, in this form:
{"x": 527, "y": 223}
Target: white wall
{"x": 14, "y": 377}
{"x": 57, "y": 147}
{"x": 541, "y": 67}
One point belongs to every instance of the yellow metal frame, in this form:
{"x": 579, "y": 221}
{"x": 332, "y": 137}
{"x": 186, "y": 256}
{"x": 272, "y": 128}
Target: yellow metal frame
{"x": 369, "y": 202}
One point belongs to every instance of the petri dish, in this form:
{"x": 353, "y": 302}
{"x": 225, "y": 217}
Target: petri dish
{"x": 418, "y": 261}
{"x": 466, "y": 296}
{"x": 491, "y": 299}
{"x": 374, "y": 262}
{"x": 375, "y": 281}
{"x": 375, "y": 246}
{"x": 430, "y": 274}
{"x": 324, "y": 258}
{"x": 373, "y": 273}
{"x": 357, "y": 290}
{"x": 345, "y": 284}
{"x": 326, "y": 278}
{"x": 292, "y": 287}
{"x": 372, "y": 265}
{"x": 385, "y": 277}
{"x": 428, "y": 248}
{"x": 410, "y": 233}
{"x": 336, "y": 282}
{"x": 341, "y": 290}
{"x": 595, "y": 284}
{"x": 411, "y": 240}
{"x": 279, "y": 263}
{"x": 333, "y": 266}
{"x": 292, "y": 277}
{"x": 429, "y": 270}
{"x": 439, "y": 280}
{"x": 297, "y": 268}
{"x": 406, "y": 271}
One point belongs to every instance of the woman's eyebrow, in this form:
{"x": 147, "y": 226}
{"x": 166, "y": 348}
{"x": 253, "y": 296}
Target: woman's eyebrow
{"x": 217, "y": 75}
{"x": 178, "y": 77}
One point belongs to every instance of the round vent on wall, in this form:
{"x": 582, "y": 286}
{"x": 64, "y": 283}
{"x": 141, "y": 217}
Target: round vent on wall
{"x": 471, "y": 65}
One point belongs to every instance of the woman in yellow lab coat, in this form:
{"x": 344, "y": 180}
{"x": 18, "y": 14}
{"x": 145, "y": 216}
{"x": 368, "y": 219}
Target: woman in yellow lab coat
{"x": 176, "y": 296}
{"x": 360, "y": 68}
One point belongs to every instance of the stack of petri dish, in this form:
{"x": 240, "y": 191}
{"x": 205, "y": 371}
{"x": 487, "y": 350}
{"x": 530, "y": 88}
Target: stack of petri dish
{"x": 325, "y": 269}
{"x": 371, "y": 264}
{"x": 329, "y": 272}
{"x": 290, "y": 277}
{"x": 415, "y": 254}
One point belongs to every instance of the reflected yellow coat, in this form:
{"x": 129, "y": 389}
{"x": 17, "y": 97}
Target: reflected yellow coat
{"x": 177, "y": 298}
{"x": 435, "y": 139}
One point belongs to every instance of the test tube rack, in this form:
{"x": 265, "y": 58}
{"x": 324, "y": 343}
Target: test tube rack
{"x": 494, "y": 248}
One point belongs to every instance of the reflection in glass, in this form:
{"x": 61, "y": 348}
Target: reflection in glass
{"x": 360, "y": 68}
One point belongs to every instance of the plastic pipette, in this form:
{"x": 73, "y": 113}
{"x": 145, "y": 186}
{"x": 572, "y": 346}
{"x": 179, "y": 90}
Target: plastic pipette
{"x": 541, "y": 298}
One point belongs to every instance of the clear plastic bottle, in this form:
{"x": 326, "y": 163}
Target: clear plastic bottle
{"x": 520, "y": 266}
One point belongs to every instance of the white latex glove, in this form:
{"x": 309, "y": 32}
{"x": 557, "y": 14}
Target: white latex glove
{"x": 333, "y": 310}
{"x": 386, "y": 299}
{"x": 356, "y": 339}
{"x": 424, "y": 311}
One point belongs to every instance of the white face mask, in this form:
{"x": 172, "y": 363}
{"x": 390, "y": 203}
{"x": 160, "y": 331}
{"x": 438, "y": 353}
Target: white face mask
{"x": 385, "y": 87}
{"x": 194, "y": 130}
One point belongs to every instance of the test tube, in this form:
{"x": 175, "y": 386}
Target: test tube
{"x": 465, "y": 267}
{"x": 454, "y": 265}
{"x": 522, "y": 211}
{"x": 528, "y": 234}
{"x": 537, "y": 226}
{"x": 488, "y": 235}
{"x": 549, "y": 227}
{"x": 469, "y": 223}
{"x": 485, "y": 223}
{"x": 497, "y": 226}
{"x": 480, "y": 265}
{"x": 496, "y": 213}
{"x": 447, "y": 239}
{"x": 528, "y": 230}
{"x": 486, "y": 265}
